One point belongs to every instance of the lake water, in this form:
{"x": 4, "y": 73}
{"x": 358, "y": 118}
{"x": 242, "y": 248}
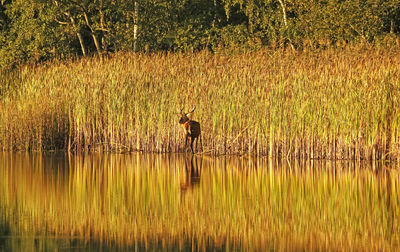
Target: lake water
{"x": 182, "y": 202}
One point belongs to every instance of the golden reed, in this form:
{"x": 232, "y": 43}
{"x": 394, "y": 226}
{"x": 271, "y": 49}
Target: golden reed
{"x": 337, "y": 103}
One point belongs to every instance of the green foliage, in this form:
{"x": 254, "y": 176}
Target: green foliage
{"x": 341, "y": 20}
{"x": 35, "y": 30}
{"x": 158, "y": 23}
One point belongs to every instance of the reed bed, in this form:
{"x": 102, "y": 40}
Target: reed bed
{"x": 236, "y": 203}
{"x": 337, "y": 103}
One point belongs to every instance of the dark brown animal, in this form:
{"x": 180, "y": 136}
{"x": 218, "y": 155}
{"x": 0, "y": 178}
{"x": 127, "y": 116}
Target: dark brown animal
{"x": 191, "y": 128}
{"x": 193, "y": 172}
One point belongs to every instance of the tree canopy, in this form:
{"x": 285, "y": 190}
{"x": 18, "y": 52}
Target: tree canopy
{"x": 35, "y": 30}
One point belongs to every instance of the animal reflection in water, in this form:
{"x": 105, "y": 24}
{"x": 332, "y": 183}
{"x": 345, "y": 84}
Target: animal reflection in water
{"x": 193, "y": 171}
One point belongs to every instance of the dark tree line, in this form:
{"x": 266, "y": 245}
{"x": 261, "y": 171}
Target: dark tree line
{"x": 34, "y": 30}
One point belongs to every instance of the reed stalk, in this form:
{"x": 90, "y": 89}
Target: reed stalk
{"x": 326, "y": 104}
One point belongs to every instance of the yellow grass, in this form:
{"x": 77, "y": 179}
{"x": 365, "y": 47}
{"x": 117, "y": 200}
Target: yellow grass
{"x": 333, "y": 103}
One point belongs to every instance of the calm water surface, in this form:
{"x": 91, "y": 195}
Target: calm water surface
{"x": 182, "y": 202}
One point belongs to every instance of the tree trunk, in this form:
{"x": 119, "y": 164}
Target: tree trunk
{"x": 96, "y": 43}
{"x": 78, "y": 34}
{"x": 283, "y": 12}
{"x": 214, "y": 14}
{"x": 93, "y": 33}
{"x": 284, "y": 17}
{"x": 82, "y": 43}
{"x": 135, "y": 27}
{"x": 102, "y": 26}
{"x": 391, "y": 26}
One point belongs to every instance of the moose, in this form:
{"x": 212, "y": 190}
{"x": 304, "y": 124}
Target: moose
{"x": 193, "y": 172}
{"x": 191, "y": 128}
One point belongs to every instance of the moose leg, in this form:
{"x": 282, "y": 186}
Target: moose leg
{"x": 191, "y": 144}
{"x": 186, "y": 141}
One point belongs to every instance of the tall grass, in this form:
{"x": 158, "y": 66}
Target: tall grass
{"x": 248, "y": 204}
{"x": 333, "y": 103}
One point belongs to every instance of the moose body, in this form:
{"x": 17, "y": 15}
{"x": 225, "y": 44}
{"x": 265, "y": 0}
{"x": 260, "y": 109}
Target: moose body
{"x": 193, "y": 172}
{"x": 191, "y": 128}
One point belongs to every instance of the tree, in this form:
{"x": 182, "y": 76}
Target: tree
{"x": 34, "y": 30}
{"x": 85, "y": 14}
{"x": 29, "y": 34}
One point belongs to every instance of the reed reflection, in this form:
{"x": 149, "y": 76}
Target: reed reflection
{"x": 225, "y": 202}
